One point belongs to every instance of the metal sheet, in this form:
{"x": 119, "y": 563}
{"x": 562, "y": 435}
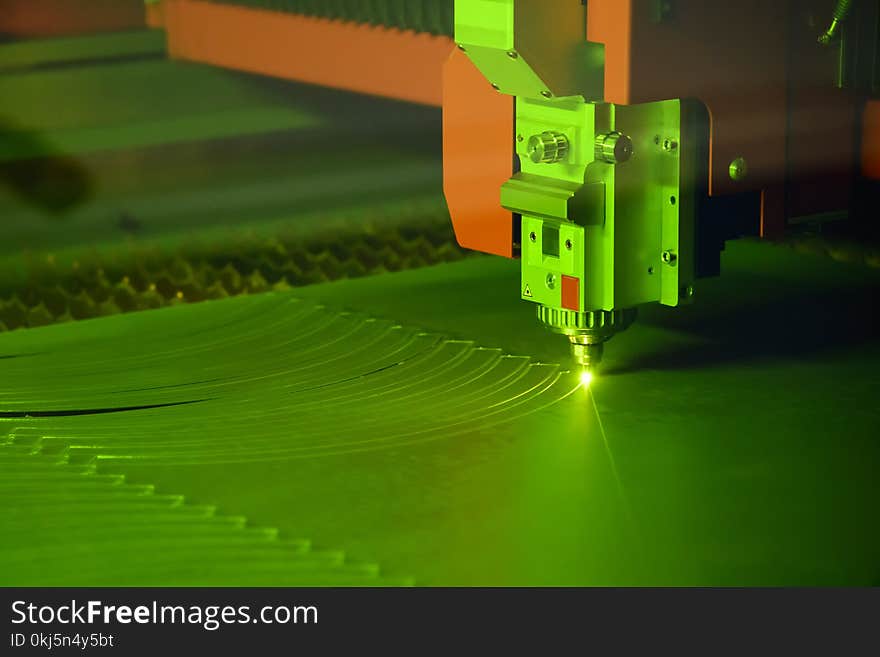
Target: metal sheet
{"x": 724, "y": 444}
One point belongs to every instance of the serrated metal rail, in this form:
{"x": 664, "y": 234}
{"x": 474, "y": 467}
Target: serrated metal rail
{"x": 431, "y": 16}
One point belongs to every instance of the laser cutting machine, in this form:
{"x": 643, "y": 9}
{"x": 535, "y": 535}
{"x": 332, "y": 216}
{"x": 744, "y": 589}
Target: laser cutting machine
{"x": 611, "y": 145}
{"x": 413, "y": 423}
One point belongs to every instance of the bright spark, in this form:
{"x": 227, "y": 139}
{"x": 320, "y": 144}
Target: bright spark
{"x": 586, "y": 378}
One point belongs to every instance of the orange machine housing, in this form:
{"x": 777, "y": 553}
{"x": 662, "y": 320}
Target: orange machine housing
{"x": 478, "y": 133}
{"x": 355, "y": 57}
{"x": 155, "y": 15}
{"x": 767, "y": 85}
{"x": 871, "y": 140}
{"x": 478, "y": 122}
{"x": 47, "y": 18}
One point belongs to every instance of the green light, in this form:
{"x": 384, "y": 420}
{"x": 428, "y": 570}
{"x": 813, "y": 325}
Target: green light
{"x": 586, "y": 378}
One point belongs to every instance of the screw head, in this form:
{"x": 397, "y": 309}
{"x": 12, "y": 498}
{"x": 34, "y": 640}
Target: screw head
{"x": 568, "y": 245}
{"x": 551, "y": 281}
{"x": 533, "y": 237}
{"x": 512, "y": 54}
{"x": 669, "y": 257}
{"x": 739, "y": 169}
{"x": 546, "y": 94}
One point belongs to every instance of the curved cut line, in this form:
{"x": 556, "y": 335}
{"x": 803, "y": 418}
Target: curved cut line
{"x": 167, "y": 387}
{"x": 356, "y": 377}
{"x": 20, "y": 415}
{"x": 272, "y": 377}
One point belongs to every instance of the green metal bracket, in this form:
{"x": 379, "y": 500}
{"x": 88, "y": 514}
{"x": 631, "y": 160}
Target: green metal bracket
{"x": 531, "y": 48}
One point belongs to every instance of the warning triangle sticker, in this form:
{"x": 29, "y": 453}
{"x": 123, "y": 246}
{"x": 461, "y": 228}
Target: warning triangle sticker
{"x": 528, "y": 291}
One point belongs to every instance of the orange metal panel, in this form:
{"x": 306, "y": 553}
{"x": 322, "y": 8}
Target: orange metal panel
{"x": 772, "y": 218}
{"x": 610, "y": 22}
{"x": 822, "y": 151}
{"x": 156, "y": 15}
{"x": 871, "y": 140}
{"x": 351, "y": 56}
{"x": 478, "y": 127}
{"x": 729, "y": 55}
{"x": 46, "y": 18}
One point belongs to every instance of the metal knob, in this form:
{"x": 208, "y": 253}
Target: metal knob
{"x": 548, "y": 147}
{"x": 614, "y": 148}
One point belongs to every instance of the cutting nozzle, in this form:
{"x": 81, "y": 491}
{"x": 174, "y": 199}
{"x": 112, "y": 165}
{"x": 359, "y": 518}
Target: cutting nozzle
{"x": 588, "y": 331}
{"x": 586, "y": 351}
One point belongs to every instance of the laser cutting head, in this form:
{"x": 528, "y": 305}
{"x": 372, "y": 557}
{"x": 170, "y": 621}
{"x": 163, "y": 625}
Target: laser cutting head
{"x": 605, "y": 223}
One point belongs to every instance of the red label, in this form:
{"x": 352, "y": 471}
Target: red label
{"x": 571, "y": 293}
